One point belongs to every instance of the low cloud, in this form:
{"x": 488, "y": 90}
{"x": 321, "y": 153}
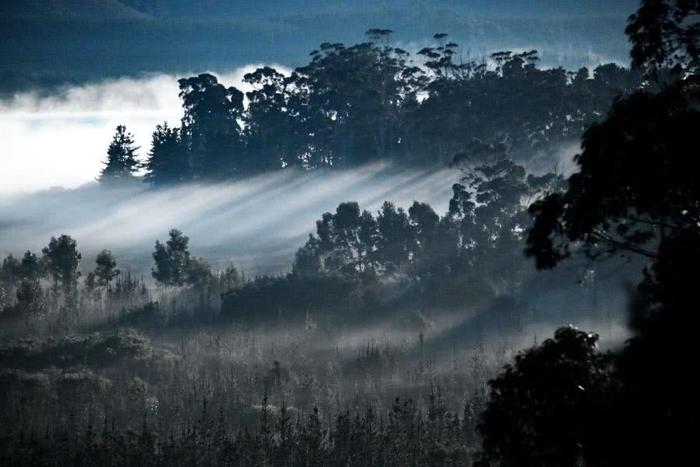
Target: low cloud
{"x": 257, "y": 222}
{"x": 61, "y": 140}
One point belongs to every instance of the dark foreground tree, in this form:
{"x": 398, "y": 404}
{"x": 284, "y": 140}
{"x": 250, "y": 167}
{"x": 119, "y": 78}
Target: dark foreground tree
{"x": 664, "y": 33}
{"x": 637, "y": 186}
{"x": 637, "y": 192}
{"x": 544, "y": 410}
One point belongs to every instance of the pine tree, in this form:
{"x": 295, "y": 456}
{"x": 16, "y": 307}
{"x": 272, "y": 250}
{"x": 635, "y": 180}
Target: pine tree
{"x": 121, "y": 164}
{"x": 168, "y": 161}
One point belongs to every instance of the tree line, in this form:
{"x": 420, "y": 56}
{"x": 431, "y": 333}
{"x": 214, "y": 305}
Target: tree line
{"x": 370, "y": 102}
{"x": 478, "y": 241}
{"x": 36, "y": 286}
{"x": 485, "y": 219}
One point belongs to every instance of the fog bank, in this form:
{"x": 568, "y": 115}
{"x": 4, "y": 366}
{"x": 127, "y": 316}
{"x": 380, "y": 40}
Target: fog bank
{"x": 257, "y": 223}
{"x": 60, "y": 140}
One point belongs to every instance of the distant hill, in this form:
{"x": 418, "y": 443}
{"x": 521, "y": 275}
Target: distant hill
{"x": 70, "y": 10}
{"x": 47, "y": 43}
{"x": 118, "y": 10}
{"x": 498, "y": 8}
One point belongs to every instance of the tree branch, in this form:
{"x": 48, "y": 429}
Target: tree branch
{"x": 607, "y": 238}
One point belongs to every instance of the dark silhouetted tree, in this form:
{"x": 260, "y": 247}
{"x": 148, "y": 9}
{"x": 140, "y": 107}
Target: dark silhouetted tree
{"x": 371, "y": 101}
{"x": 544, "y": 410}
{"x": 210, "y": 128}
{"x": 354, "y": 101}
{"x": 168, "y": 160}
{"x": 30, "y": 298}
{"x": 636, "y": 185}
{"x": 121, "y": 163}
{"x": 10, "y": 271}
{"x": 665, "y": 33}
{"x": 274, "y": 127}
{"x": 393, "y": 238}
{"x": 637, "y": 193}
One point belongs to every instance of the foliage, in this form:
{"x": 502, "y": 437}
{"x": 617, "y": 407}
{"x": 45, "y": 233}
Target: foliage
{"x": 121, "y": 163}
{"x": 96, "y": 350}
{"x": 210, "y": 130}
{"x": 294, "y": 296}
{"x": 485, "y": 220}
{"x": 358, "y": 263}
{"x": 665, "y": 34}
{"x": 559, "y": 403}
{"x": 373, "y": 101}
{"x": 30, "y": 303}
{"x": 149, "y": 315}
{"x": 544, "y": 409}
{"x": 636, "y": 192}
{"x": 174, "y": 265}
{"x": 635, "y": 185}
{"x": 62, "y": 258}
{"x": 168, "y": 160}
{"x": 106, "y": 269}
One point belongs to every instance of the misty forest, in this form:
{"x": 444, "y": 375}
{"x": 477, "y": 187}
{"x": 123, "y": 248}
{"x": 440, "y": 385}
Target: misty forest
{"x": 397, "y": 250}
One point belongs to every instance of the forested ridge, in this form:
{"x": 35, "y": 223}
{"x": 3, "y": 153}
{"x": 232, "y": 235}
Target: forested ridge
{"x": 400, "y": 336}
{"x": 369, "y": 102}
